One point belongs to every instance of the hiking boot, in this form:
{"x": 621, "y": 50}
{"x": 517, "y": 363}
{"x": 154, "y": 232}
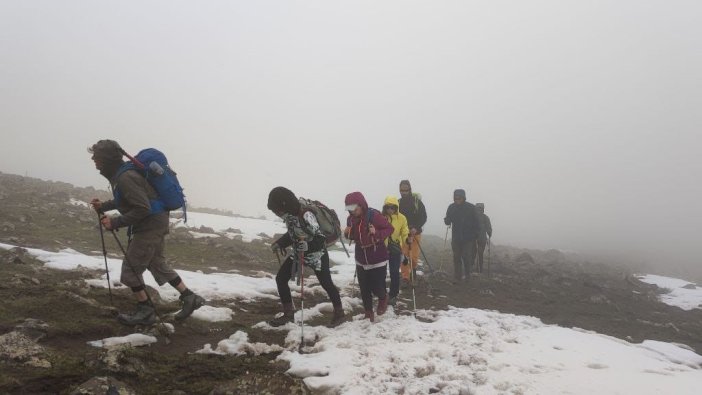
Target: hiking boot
{"x": 382, "y": 305}
{"x": 338, "y": 317}
{"x": 288, "y": 316}
{"x": 191, "y": 303}
{"x": 370, "y": 315}
{"x": 145, "y": 314}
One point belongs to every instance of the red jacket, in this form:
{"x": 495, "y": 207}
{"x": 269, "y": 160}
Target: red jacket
{"x": 370, "y": 249}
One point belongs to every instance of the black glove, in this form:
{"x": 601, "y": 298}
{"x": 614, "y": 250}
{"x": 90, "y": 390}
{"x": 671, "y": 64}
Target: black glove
{"x": 275, "y": 247}
{"x": 301, "y": 246}
{"x": 405, "y": 262}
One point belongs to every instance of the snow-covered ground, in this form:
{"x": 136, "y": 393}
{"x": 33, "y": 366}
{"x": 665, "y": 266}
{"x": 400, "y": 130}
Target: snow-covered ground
{"x": 210, "y": 286}
{"x": 683, "y": 294}
{"x": 470, "y": 351}
{"x": 250, "y": 228}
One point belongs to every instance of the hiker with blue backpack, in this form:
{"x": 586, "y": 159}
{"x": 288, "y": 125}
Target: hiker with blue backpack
{"x": 144, "y": 191}
{"x": 306, "y": 235}
{"x": 369, "y": 229}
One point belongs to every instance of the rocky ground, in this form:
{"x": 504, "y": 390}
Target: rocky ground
{"x": 48, "y": 316}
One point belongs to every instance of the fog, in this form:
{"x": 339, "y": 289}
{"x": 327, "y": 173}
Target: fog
{"x": 577, "y": 123}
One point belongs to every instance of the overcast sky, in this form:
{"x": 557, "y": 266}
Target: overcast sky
{"x": 578, "y": 123}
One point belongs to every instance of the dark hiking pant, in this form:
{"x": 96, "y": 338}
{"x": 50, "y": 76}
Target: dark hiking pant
{"x": 462, "y": 256}
{"x": 323, "y": 276}
{"x": 394, "y": 267}
{"x": 480, "y": 252}
{"x": 371, "y": 282}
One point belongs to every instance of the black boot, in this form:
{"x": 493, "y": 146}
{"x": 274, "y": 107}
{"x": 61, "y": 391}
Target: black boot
{"x": 288, "y": 316}
{"x": 191, "y": 302}
{"x": 145, "y": 314}
{"x": 338, "y": 317}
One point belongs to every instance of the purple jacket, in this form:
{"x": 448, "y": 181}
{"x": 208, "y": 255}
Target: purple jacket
{"x": 370, "y": 250}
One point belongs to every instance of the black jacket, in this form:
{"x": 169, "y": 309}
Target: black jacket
{"x": 464, "y": 221}
{"x": 415, "y": 212}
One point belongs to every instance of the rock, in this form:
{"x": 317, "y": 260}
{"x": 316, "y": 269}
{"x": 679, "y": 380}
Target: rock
{"x": 33, "y": 328}
{"x": 35, "y": 281}
{"x": 103, "y": 386}
{"x": 16, "y": 347}
{"x": 690, "y": 286}
{"x": 599, "y": 299}
{"x": 524, "y": 257}
{"x": 117, "y": 359}
{"x": 7, "y": 227}
{"x": 15, "y": 255}
{"x": 205, "y": 229}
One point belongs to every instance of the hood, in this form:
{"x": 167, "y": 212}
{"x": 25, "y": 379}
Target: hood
{"x": 356, "y": 198}
{"x": 283, "y": 200}
{"x": 391, "y": 200}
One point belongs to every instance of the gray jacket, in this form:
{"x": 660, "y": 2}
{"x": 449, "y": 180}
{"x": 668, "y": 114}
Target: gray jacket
{"x": 132, "y": 199}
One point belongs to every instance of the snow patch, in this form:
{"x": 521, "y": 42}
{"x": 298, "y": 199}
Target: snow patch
{"x": 135, "y": 339}
{"x": 213, "y": 314}
{"x": 683, "y": 294}
{"x": 238, "y": 344}
{"x": 251, "y": 228}
{"x": 476, "y": 351}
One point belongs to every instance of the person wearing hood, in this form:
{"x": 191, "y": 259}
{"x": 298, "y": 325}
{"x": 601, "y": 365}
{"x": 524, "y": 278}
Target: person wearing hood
{"x": 146, "y": 229}
{"x": 485, "y": 232}
{"x": 412, "y": 207}
{"x": 306, "y": 237}
{"x": 369, "y": 229}
{"x": 395, "y": 243}
{"x": 463, "y": 219}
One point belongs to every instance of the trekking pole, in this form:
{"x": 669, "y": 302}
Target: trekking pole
{"x": 431, "y": 269}
{"x": 302, "y": 301}
{"x": 104, "y": 254}
{"x": 414, "y": 298}
{"x": 344, "y": 245}
{"x": 446, "y": 237}
{"x": 141, "y": 280}
{"x": 489, "y": 256}
{"x": 277, "y": 255}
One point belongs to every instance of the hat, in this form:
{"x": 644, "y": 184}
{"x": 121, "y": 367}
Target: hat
{"x": 459, "y": 193}
{"x": 281, "y": 199}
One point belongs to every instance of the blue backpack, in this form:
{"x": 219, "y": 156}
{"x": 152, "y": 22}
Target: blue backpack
{"x": 153, "y": 165}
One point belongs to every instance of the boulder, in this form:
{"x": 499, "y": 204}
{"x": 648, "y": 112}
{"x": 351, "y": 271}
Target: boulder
{"x": 103, "y": 386}
{"x": 17, "y": 347}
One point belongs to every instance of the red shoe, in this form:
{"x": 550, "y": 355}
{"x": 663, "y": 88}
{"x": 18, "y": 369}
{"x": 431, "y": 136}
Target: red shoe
{"x": 370, "y": 315}
{"x": 382, "y": 305}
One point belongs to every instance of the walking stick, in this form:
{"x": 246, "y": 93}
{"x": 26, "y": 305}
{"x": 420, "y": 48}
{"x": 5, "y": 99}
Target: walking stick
{"x": 446, "y": 237}
{"x": 302, "y": 301}
{"x": 104, "y": 254}
{"x": 414, "y": 298}
{"x": 489, "y": 256}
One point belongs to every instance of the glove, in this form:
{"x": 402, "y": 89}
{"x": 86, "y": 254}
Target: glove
{"x": 275, "y": 247}
{"x": 405, "y": 262}
{"x": 301, "y": 246}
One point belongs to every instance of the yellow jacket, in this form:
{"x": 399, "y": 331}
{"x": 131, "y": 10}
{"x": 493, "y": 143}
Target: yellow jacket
{"x": 398, "y": 222}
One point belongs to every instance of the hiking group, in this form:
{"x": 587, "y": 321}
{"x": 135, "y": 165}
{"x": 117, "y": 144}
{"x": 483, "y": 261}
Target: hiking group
{"x": 145, "y": 189}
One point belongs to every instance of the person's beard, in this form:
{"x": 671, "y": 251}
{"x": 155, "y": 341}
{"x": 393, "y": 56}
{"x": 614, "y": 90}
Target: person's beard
{"x": 109, "y": 169}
